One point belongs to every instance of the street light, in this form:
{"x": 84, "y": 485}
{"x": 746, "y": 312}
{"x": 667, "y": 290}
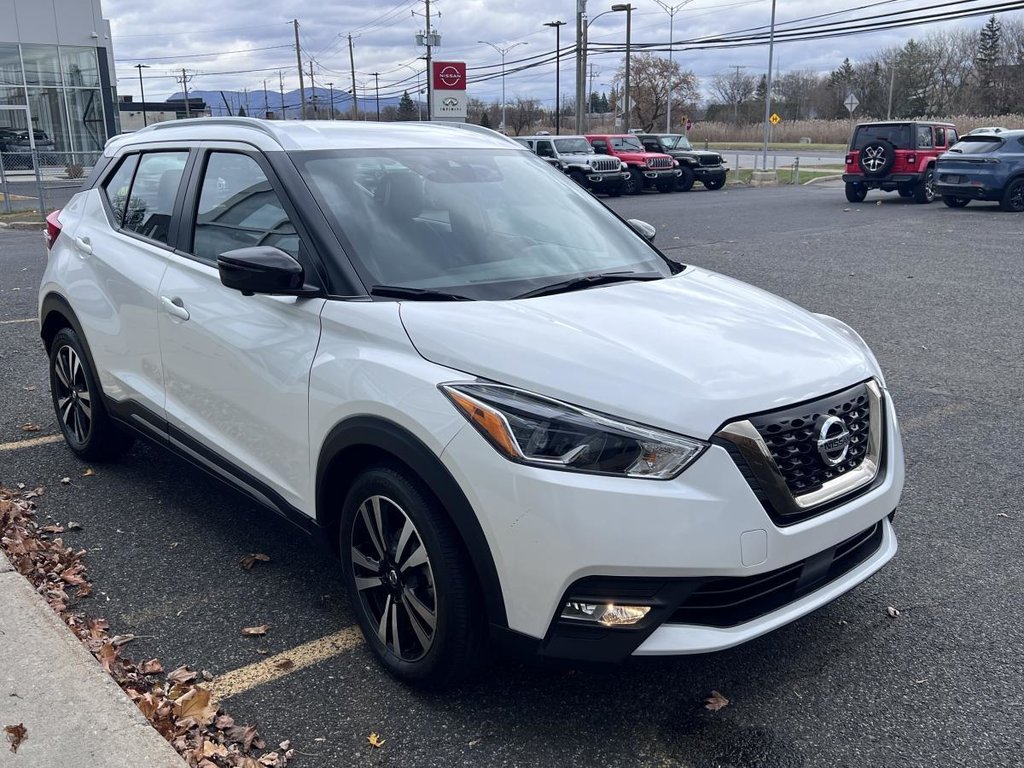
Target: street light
{"x": 558, "y": 72}
{"x": 628, "y": 8}
{"x": 142, "y": 93}
{"x": 503, "y": 51}
{"x": 581, "y": 110}
{"x": 671, "y": 11}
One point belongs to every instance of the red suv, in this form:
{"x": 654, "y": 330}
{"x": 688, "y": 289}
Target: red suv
{"x": 646, "y": 169}
{"x": 896, "y": 156}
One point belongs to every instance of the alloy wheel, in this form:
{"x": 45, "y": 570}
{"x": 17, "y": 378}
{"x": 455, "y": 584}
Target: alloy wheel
{"x": 1016, "y": 197}
{"x": 74, "y": 401}
{"x": 393, "y": 577}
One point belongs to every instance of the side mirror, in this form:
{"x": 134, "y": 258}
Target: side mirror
{"x": 263, "y": 269}
{"x": 645, "y": 230}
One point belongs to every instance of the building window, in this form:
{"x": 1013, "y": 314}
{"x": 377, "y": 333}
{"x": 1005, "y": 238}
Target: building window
{"x": 42, "y": 66}
{"x": 49, "y": 117}
{"x": 85, "y": 115}
{"x": 10, "y": 66}
{"x": 79, "y": 67}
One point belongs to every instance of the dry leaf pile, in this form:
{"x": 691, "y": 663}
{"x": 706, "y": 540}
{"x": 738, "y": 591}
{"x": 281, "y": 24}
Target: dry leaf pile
{"x": 176, "y": 704}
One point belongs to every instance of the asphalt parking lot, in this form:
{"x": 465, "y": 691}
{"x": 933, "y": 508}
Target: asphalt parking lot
{"x": 936, "y": 292}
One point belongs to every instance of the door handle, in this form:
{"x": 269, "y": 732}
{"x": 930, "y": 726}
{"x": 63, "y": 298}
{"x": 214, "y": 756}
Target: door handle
{"x": 175, "y": 307}
{"x": 84, "y": 245}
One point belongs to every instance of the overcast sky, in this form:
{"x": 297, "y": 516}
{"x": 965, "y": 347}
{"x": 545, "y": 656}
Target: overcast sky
{"x": 221, "y": 41}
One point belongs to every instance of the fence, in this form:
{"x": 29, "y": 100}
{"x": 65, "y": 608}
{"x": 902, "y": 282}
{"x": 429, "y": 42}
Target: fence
{"x": 41, "y": 180}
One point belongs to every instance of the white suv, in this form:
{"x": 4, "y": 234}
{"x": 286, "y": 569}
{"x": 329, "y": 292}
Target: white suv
{"x": 511, "y": 414}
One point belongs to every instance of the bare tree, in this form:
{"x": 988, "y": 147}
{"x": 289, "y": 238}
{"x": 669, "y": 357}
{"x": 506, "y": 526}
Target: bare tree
{"x": 651, "y": 77}
{"x": 522, "y": 113}
{"x": 734, "y": 89}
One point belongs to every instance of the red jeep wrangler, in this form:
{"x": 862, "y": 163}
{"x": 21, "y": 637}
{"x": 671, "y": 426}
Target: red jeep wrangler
{"x": 646, "y": 169}
{"x": 897, "y": 155}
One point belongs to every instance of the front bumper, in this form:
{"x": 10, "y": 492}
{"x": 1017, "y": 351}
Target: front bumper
{"x": 654, "y": 175}
{"x": 605, "y": 179}
{"x": 702, "y": 172}
{"x": 551, "y": 531}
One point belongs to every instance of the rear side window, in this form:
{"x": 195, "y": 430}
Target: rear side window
{"x": 940, "y": 137}
{"x": 154, "y": 191}
{"x": 117, "y": 186}
{"x": 238, "y": 208}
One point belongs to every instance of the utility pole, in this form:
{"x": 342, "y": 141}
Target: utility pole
{"x": 142, "y": 93}
{"x": 298, "y": 61}
{"x": 429, "y": 59}
{"x": 768, "y": 95}
{"x": 581, "y": 61}
{"x": 331, "y": 86}
{"x": 376, "y": 86}
{"x": 312, "y": 88}
{"x": 352, "y": 64}
{"x": 736, "y": 103}
{"x": 266, "y": 105}
{"x": 558, "y": 71}
{"x": 892, "y": 84}
{"x": 280, "y": 83}
{"x": 184, "y": 86}
{"x": 628, "y": 8}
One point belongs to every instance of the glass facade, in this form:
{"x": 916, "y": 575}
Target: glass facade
{"x": 61, "y": 87}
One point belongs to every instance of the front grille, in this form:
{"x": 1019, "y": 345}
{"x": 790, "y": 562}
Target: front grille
{"x": 792, "y": 435}
{"x": 659, "y": 162}
{"x": 710, "y": 160}
{"x": 604, "y": 164}
{"x": 734, "y": 600}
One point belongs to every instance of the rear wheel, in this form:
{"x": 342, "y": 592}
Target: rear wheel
{"x": 410, "y": 580}
{"x": 1013, "y": 197}
{"x": 856, "y": 193}
{"x": 716, "y": 183}
{"x": 78, "y": 403}
{"x": 924, "y": 192}
{"x": 905, "y": 190}
{"x": 634, "y": 185}
{"x": 955, "y": 202}
{"x": 686, "y": 178}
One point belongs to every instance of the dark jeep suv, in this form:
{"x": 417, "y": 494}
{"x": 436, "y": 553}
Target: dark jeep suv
{"x": 896, "y": 156}
{"x": 694, "y": 165}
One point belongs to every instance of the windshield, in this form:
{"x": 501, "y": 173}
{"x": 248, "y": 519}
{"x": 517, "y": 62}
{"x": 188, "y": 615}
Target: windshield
{"x": 573, "y": 146}
{"x": 627, "y": 144}
{"x": 676, "y": 142}
{"x": 484, "y": 224}
{"x": 897, "y": 135}
{"x": 976, "y": 145}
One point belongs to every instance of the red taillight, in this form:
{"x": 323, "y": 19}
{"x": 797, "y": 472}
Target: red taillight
{"x": 52, "y": 229}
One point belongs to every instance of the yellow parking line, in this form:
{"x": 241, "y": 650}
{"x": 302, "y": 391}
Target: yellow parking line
{"x": 284, "y": 663}
{"x": 31, "y": 443}
{"x": 25, "y": 320}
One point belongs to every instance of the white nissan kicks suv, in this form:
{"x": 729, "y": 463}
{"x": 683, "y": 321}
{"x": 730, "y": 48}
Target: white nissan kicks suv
{"x": 511, "y": 415}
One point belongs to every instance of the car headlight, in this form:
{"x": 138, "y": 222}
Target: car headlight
{"x": 536, "y": 430}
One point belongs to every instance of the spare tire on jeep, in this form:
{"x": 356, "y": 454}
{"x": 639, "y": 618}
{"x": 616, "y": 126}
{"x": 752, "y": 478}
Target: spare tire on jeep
{"x": 877, "y": 157}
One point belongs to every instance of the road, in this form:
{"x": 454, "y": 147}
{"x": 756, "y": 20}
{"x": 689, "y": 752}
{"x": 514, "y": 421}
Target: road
{"x": 936, "y": 292}
{"x": 781, "y": 160}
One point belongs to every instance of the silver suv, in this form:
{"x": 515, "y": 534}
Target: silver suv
{"x": 574, "y": 156}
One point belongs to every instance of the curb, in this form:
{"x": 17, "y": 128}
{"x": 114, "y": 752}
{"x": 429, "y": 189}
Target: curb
{"x": 836, "y": 177}
{"x": 74, "y": 712}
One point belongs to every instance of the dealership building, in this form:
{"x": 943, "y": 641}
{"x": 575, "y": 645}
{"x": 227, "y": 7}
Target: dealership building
{"x": 57, "y": 73}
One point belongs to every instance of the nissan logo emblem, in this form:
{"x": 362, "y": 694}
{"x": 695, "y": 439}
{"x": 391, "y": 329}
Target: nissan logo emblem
{"x": 450, "y": 76}
{"x": 833, "y": 441}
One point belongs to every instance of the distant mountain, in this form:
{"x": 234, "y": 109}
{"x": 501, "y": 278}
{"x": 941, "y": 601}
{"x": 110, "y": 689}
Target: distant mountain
{"x": 223, "y": 103}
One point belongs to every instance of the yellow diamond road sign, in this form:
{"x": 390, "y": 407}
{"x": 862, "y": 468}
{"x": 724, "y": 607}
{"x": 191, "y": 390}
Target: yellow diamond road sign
{"x": 775, "y": 118}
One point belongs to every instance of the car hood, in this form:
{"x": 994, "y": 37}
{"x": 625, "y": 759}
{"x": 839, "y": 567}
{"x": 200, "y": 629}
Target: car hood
{"x": 698, "y": 153}
{"x": 579, "y": 157}
{"x": 687, "y": 353}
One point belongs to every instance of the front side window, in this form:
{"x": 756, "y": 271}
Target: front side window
{"x": 153, "y": 192}
{"x": 484, "y": 224}
{"x": 600, "y": 146}
{"x": 117, "y": 186}
{"x": 238, "y": 208}
{"x": 544, "y": 149}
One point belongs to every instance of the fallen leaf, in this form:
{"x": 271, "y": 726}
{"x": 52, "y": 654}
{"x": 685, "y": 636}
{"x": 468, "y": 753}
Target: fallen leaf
{"x": 16, "y": 734}
{"x": 151, "y": 667}
{"x": 213, "y": 749}
{"x": 285, "y": 665}
{"x": 181, "y": 676}
{"x": 30, "y": 427}
{"x": 250, "y": 560}
{"x": 74, "y": 526}
{"x": 375, "y": 740}
{"x": 716, "y": 701}
{"x": 198, "y": 705}
{"x": 255, "y": 631}
{"x": 52, "y": 529}
{"x": 66, "y": 480}
{"x": 285, "y": 745}
{"x": 89, "y": 472}
{"x": 892, "y": 611}
{"x": 270, "y": 759}
{"x": 118, "y": 640}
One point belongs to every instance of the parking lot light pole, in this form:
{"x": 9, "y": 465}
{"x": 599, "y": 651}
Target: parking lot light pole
{"x": 628, "y": 8}
{"x": 671, "y": 11}
{"x": 142, "y": 93}
{"x": 558, "y": 72}
{"x": 503, "y": 51}
{"x": 768, "y": 95}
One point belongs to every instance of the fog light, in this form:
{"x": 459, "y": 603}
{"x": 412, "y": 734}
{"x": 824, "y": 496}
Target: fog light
{"x": 608, "y": 614}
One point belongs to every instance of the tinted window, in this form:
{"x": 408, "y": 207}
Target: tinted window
{"x": 117, "y": 186}
{"x": 978, "y": 144}
{"x": 897, "y": 135}
{"x": 940, "y": 137}
{"x": 544, "y": 149}
{"x": 238, "y": 209}
{"x": 600, "y": 146}
{"x": 154, "y": 191}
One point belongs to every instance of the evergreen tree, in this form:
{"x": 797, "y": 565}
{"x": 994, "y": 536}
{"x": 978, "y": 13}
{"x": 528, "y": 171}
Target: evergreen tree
{"x": 485, "y": 121}
{"x": 986, "y": 62}
{"x": 241, "y": 110}
{"x": 761, "y": 92}
{"x": 406, "y": 108}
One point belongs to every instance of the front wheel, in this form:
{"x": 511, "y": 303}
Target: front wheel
{"x": 955, "y": 202}
{"x": 410, "y": 580}
{"x": 1013, "y": 197}
{"x": 716, "y": 183}
{"x": 686, "y": 178}
{"x": 666, "y": 186}
{"x": 924, "y": 192}
{"x": 634, "y": 185}
{"x": 856, "y": 193}
{"x": 615, "y": 190}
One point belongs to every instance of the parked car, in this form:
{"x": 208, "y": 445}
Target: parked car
{"x": 16, "y": 148}
{"x": 983, "y": 167}
{"x": 990, "y": 129}
{"x": 896, "y": 156}
{"x": 574, "y": 156}
{"x": 646, "y": 169}
{"x": 694, "y": 165}
{"x": 510, "y": 414}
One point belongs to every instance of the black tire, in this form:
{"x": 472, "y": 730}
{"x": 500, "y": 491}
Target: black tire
{"x": 78, "y": 402}
{"x": 579, "y": 178}
{"x": 955, "y": 202}
{"x": 1013, "y": 197}
{"x": 876, "y": 158}
{"x": 905, "y": 190}
{"x": 685, "y": 181}
{"x": 634, "y": 185}
{"x": 666, "y": 186}
{"x": 716, "y": 183}
{"x": 856, "y": 193}
{"x": 440, "y": 579}
{"x": 924, "y": 191}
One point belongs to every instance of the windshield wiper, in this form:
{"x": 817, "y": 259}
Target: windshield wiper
{"x": 416, "y": 294}
{"x": 588, "y": 281}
